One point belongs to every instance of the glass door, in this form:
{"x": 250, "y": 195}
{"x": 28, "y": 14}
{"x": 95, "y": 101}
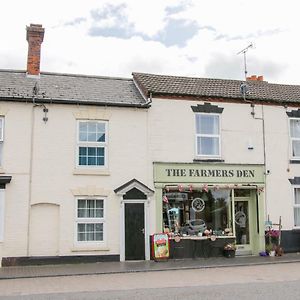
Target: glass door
{"x": 242, "y": 226}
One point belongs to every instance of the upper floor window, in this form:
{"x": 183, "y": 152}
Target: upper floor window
{"x": 295, "y": 137}
{"x": 1, "y": 137}
{"x": 92, "y": 144}
{"x": 208, "y": 142}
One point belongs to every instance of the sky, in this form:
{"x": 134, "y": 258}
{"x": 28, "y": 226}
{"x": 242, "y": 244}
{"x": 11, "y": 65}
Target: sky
{"x": 171, "y": 37}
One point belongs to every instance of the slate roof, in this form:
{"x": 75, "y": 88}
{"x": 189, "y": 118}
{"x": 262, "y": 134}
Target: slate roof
{"x": 164, "y": 85}
{"x": 68, "y": 89}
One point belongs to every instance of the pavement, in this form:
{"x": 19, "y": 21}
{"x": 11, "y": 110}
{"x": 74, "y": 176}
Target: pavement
{"x": 81, "y": 269}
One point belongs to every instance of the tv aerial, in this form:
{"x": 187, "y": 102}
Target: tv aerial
{"x": 244, "y": 51}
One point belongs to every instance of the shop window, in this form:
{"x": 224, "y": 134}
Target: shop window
{"x": 208, "y": 135}
{"x": 92, "y": 144}
{"x": 295, "y": 137}
{"x": 297, "y": 206}
{"x": 191, "y": 213}
{"x": 90, "y": 220}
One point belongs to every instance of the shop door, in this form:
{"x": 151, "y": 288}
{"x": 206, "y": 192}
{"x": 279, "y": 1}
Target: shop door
{"x": 134, "y": 231}
{"x": 242, "y": 226}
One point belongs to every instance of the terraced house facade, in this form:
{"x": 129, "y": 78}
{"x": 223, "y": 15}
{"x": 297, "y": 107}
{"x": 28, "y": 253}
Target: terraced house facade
{"x": 92, "y": 166}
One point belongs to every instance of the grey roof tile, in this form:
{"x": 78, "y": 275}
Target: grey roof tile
{"x": 68, "y": 88}
{"x": 209, "y": 87}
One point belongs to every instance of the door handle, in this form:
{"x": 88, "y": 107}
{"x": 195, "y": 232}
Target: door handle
{"x": 143, "y": 230}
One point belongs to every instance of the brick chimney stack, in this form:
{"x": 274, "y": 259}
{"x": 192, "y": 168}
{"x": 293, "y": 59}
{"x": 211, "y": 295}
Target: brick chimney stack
{"x": 35, "y": 36}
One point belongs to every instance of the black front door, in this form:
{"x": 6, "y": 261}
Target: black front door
{"x": 134, "y": 231}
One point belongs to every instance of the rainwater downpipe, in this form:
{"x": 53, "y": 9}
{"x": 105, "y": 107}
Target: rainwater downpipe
{"x": 30, "y": 174}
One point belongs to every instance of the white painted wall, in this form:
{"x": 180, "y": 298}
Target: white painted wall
{"x": 172, "y": 139}
{"x": 54, "y": 178}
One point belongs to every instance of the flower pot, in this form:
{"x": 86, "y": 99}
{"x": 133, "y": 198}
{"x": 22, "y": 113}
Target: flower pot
{"x": 229, "y": 253}
{"x": 272, "y": 253}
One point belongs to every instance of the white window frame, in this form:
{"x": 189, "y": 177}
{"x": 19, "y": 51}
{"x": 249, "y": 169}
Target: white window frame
{"x": 198, "y": 155}
{"x": 92, "y": 144}
{"x": 295, "y": 205}
{"x": 91, "y": 221}
{"x": 2, "y": 129}
{"x": 293, "y": 139}
{"x": 2, "y": 214}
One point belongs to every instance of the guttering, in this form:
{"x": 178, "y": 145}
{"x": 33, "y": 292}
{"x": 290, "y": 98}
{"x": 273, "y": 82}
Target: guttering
{"x": 67, "y": 101}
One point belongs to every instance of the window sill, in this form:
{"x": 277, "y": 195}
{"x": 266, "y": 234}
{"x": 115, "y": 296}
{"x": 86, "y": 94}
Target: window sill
{"x": 102, "y": 172}
{"x": 208, "y": 160}
{"x": 294, "y": 161}
{"x": 89, "y": 249}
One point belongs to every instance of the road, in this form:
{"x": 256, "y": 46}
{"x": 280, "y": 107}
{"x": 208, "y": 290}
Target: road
{"x": 278, "y": 281}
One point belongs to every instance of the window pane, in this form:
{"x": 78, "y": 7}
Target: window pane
{"x": 297, "y": 216}
{"x": 83, "y": 126}
{"x": 208, "y": 146}
{"x": 295, "y": 128}
{"x": 297, "y": 196}
{"x": 82, "y": 161}
{"x": 81, "y": 237}
{"x": 99, "y": 213}
{"x": 81, "y": 227}
{"x": 90, "y": 227}
{"x": 100, "y": 151}
{"x": 92, "y": 137}
{"x": 82, "y": 150}
{"x": 99, "y": 236}
{"x": 207, "y": 124}
{"x": 101, "y": 137}
{"x": 91, "y": 151}
{"x": 92, "y": 126}
{"x": 101, "y": 127}
{"x": 99, "y": 227}
{"x": 296, "y": 148}
{"x": 82, "y": 136}
{"x": 81, "y": 203}
{"x": 99, "y": 203}
{"x": 91, "y": 161}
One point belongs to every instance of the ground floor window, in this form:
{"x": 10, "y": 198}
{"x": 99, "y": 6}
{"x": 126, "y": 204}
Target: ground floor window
{"x": 90, "y": 220}
{"x": 194, "y": 212}
{"x": 297, "y": 206}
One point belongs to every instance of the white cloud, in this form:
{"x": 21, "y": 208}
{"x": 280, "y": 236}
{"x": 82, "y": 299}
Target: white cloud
{"x": 225, "y": 27}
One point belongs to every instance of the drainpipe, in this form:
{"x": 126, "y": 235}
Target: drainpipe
{"x": 30, "y": 175}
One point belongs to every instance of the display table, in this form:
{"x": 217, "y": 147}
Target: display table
{"x": 194, "y": 246}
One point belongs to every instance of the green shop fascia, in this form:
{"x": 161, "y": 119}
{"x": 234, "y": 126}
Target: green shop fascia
{"x": 226, "y": 200}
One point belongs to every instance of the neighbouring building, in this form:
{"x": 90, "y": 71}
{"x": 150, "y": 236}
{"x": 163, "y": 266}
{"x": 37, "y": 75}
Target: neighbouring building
{"x": 92, "y": 166}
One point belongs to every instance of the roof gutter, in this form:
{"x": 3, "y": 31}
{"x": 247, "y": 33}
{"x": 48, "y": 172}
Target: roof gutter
{"x": 67, "y": 101}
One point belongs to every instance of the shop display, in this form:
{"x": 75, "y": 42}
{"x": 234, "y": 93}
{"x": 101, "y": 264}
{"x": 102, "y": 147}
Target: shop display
{"x": 198, "y": 213}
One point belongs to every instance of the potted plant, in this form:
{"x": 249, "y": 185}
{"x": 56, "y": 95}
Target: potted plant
{"x": 229, "y": 250}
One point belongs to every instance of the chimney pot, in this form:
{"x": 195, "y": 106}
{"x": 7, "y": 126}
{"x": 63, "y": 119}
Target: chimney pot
{"x": 35, "y": 37}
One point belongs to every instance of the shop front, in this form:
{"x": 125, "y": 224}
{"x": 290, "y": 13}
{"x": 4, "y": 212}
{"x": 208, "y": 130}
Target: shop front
{"x": 208, "y": 207}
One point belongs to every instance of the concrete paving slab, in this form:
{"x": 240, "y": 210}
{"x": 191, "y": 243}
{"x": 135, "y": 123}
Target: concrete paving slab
{"x": 140, "y": 266}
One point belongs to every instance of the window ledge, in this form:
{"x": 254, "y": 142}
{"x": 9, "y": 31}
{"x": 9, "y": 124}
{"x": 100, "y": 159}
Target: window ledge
{"x": 102, "y": 172}
{"x": 208, "y": 160}
{"x": 294, "y": 161}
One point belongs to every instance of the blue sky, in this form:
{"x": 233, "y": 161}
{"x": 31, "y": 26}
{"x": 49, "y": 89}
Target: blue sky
{"x": 175, "y": 37}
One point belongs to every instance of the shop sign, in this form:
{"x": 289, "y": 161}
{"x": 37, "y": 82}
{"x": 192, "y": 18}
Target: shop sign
{"x": 164, "y": 172}
{"x": 160, "y": 246}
